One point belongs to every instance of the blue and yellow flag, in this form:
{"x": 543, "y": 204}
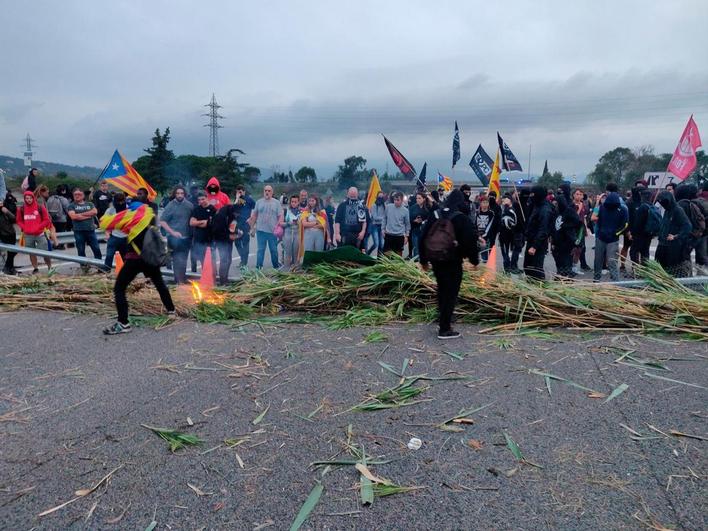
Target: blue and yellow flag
{"x": 123, "y": 176}
{"x": 445, "y": 182}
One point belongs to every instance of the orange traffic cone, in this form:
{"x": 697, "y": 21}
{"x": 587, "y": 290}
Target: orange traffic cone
{"x": 119, "y": 262}
{"x": 206, "y": 283}
{"x": 491, "y": 271}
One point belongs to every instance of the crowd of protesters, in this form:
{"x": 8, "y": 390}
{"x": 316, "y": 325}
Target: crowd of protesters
{"x": 525, "y": 224}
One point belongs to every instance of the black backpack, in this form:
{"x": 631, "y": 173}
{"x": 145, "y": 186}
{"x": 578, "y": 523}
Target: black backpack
{"x": 653, "y": 220}
{"x": 441, "y": 243}
{"x": 154, "y": 251}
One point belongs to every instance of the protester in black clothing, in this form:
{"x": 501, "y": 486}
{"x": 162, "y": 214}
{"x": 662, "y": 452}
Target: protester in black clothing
{"x": 487, "y": 223}
{"x": 639, "y": 226}
{"x": 244, "y": 207}
{"x": 538, "y": 227}
{"x": 673, "y": 249}
{"x": 201, "y": 222}
{"x": 102, "y": 199}
{"x": 510, "y": 239}
{"x": 133, "y": 266}
{"x": 419, "y": 212}
{"x": 225, "y": 232}
{"x": 687, "y": 198}
{"x": 350, "y": 220}
{"x": 31, "y": 180}
{"x": 565, "y": 234}
{"x": 8, "y": 211}
{"x": 447, "y": 260}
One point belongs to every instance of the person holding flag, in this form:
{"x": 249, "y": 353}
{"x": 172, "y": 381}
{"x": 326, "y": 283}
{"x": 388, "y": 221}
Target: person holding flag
{"x": 376, "y": 205}
{"x": 134, "y": 223}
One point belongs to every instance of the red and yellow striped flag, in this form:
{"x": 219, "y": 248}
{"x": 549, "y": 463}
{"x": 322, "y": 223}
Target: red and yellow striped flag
{"x": 494, "y": 179}
{"x": 123, "y": 176}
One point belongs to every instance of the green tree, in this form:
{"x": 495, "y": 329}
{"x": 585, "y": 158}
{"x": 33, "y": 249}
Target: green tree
{"x": 62, "y": 175}
{"x": 551, "y": 180}
{"x": 351, "y": 172}
{"x": 612, "y": 167}
{"x": 306, "y": 174}
{"x": 154, "y": 166}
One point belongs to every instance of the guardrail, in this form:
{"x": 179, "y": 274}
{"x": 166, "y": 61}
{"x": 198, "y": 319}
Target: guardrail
{"x": 68, "y": 237}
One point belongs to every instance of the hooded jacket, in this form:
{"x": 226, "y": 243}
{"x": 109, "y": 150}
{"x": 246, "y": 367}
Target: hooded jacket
{"x": 7, "y": 220}
{"x": 219, "y": 198}
{"x": 612, "y": 219}
{"x": 33, "y": 219}
{"x": 465, "y": 231}
{"x": 686, "y": 196}
{"x": 674, "y": 222}
{"x": 540, "y": 221}
{"x": 567, "y": 226}
{"x": 638, "y": 226}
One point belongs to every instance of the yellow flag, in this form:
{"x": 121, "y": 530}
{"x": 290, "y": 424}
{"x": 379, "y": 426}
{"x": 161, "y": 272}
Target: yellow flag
{"x": 374, "y": 189}
{"x": 494, "y": 179}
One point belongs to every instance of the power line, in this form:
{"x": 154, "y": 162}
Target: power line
{"x": 213, "y": 126}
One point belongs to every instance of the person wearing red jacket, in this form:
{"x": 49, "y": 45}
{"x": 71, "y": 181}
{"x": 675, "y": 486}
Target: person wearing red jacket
{"x": 215, "y": 196}
{"x": 35, "y": 223}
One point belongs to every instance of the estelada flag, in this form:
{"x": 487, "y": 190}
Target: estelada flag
{"x": 456, "y": 146}
{"x": 482, "y": 163}
{"x": 509, "y": 162}
{"x": 123, "y": 176}
{"x": 445, "y": 182}
{"x": 405, "y": 167}
{"x": 494, "y": 179}
{"x": 130, "y": 222}
{"x": 684, "y": 160}
{"x": 374, "y": 189}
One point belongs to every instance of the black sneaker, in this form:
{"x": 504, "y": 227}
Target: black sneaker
{"x": 586, "y": 268}
{"x": 449, "y": 334}
{"x": 9, "y": 271}
{"x": 117, "y": 328}
{"x": 35, "y": 271}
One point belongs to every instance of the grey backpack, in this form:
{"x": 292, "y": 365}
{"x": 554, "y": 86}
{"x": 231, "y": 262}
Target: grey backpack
{"x": 154, "y": 250}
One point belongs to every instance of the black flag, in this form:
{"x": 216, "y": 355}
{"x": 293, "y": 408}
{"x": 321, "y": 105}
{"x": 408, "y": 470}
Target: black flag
{"x": 422, "y": 177}
{"x": 482, "y": 164}
{"x": 545, "y": 168}
{"x": 508, "y": 161}
{"x": 456, "y": 146}
{"x": 405, "y": 167}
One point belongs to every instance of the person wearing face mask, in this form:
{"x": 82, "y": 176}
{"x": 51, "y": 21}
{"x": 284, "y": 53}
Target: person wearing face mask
{"x": 350, "y": 220}
{"x": 673, "y": 251}
{"x": 565, "y": 234}
{"x": 175, "y": 221}
{"x": 377, "y": 213}
{"x": 215, "y": 196}
{"x": 538, "y": 230}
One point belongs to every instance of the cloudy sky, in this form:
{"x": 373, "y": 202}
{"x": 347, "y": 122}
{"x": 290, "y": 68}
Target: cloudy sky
{"x": 312, "y": 82}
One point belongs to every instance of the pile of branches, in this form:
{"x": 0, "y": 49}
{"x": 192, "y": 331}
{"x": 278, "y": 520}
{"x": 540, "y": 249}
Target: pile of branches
{"x": 393, "y": 289}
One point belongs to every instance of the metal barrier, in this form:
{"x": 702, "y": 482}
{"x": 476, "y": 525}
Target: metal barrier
{"x": 68, "y": 237}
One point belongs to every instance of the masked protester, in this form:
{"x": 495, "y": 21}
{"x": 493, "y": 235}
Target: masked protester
{"x": 215, "y": 197}
{"x": 350, "y": 220}
{"x": 673, "y": 251}
{"x": 538, "y": 230}
{"x": 611, "y": 220}
{"x": 565, "y": 234}
{"x": 448, "y": 238}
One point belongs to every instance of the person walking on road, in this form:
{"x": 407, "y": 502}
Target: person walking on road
{"x": 448, "y": 237}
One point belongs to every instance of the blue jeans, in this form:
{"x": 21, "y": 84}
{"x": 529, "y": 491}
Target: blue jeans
{"x": 269, "y": 239}
{"x": 243, "y": 243}
{"x": 82, "y": 237}
{"x": 377, "y": 240}
{"x": 114, "y": 245}
{"x": 415, "y": 241}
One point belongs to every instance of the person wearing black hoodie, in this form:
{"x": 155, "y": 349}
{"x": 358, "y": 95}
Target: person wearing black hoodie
{"x": 639, "y": 226}
{"x": 447, "y": 266}
{"x": 687, "y": 198}
{"x": 611, "y": 221}
{"x": 565, "y": 235}
{"x": 8, "y": 214}
{"x": 538, "y": 230}
{"x": 674, "y": 248}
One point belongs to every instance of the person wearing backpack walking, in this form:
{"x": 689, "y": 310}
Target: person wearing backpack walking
{"x": 138, "y": 225}
{"x": 687, "y": 198}
{"x": 645, "y": 226}
{"x": 448, "y": 237}
{"x": 674, "y": 236}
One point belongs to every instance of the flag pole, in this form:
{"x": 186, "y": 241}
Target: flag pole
{"x": 101, "y": 174}
{"x": 528, "y": 169}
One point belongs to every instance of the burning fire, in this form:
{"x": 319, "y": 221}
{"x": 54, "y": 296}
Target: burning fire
{"x": 205, "y": 295}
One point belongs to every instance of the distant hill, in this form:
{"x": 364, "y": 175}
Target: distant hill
{"x": 15, "y": 168}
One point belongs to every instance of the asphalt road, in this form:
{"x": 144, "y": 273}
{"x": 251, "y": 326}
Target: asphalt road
{"x": 72, "y": 403}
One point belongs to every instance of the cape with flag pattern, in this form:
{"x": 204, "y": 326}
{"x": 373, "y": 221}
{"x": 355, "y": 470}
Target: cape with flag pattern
{"x": 130, "y": 222}
{"x": 405, "y": 167}
{"x": 123, "y": 176}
